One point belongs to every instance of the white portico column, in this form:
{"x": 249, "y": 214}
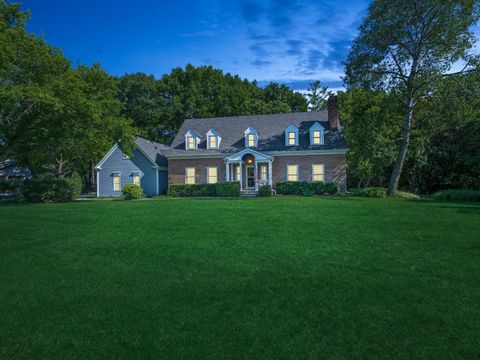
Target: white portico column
{"x": 270, "y": 175}
{"x": 255, "y": 175}
{"x": 227, "y": 171}
{"x": 240, "y": 165}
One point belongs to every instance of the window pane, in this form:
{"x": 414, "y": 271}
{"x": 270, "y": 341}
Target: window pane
{"x": 292, "y": 172}
{"x": 116, "y": 183}
{"x": 191, "y": 143}
{"x": 190, "y": 175}
{"x": 263, "y": 172}
{"x": 211, "y": 175}
{"x": 318, "y": 172}
{"x": 291, "y": 138}
{"x": 251, "y": 140}
{"x": 316, "y": 137}
{"x": 212, "y": 142}
{"x": 136, "y": 179}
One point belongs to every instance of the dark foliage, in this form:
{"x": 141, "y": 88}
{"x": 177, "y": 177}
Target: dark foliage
{"x": 230, "y": 189}
{"x": 458, "y": 195}
{"x": 307, "y": 188}
{"x": 51, "y": 188}
{"x": 265, "y": 190}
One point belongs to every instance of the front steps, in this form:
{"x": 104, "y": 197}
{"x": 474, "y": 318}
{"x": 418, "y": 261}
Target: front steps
{"x": 248, "y": 193}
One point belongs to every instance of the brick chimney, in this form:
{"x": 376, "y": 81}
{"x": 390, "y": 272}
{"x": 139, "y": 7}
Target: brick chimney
{"x": 332, "y": 109}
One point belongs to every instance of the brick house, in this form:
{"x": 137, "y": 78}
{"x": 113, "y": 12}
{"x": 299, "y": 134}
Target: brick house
{"x": 253, "y": 150}
{"x": 260, "y": 149}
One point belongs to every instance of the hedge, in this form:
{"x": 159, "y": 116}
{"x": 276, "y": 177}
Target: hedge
{"x": 265, "y": 190}
{"x": 51, "y": 188}
{"x": 132, "y": 191}
{"x": 307, "y": 188}
{"x": 457, "y": 195}
{"x": 228, "y": 189}
{"x": 371, "y": 192}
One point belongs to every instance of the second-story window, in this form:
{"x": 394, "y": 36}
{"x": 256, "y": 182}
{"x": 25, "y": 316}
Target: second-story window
{"x": 251, "y": 140}
{"x": 212, "y": 142}
{"x": 190, "y": 143}
{"x": 317, "y": 137}
{"x": 291, "y": 138}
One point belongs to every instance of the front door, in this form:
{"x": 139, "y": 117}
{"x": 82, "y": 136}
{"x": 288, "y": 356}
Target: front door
{"x": 250, "y": 177}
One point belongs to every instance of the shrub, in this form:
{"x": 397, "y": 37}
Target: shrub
{"x": 407, "y": 195}
{"x": 331, "y": 188}
{"x": 132, "y": 191}
{"x": 265, "y": 190}
{"x": 228, "y": 189}
{"x": 289, "y": 187}
{"x": 371, "y": 192}
{"x": 51, "y": 188}
{"x": 318, "y": 187}
{"x": 457, "y": 195}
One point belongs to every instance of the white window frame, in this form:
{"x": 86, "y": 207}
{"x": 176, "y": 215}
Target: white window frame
{"x": 297, "y": 173}
{"x": 319, "y": 137}
{"x": 322, "y": 174}
{"x": 187, "y": 176}
{"x": 290, "y": 138}
{"x": 139, "y": 179}
{"x": 250, "y": 140}
{"x": 119, "y": 177}
{"x": 263, "y": 172}
{"x": 215, "y": 145}
{"x": 191, "y": 141}
{"x": 209, "y": 176}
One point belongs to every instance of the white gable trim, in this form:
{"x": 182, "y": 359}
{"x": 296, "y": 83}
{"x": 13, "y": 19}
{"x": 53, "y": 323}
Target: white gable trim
{"x": 257, "y": 154}
{"x": 107, "y": 155}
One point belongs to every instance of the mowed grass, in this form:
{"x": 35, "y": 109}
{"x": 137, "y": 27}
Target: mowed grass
{"x": 278, "y": 278}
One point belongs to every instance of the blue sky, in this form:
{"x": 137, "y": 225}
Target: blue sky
{"x": 272, "y": 40}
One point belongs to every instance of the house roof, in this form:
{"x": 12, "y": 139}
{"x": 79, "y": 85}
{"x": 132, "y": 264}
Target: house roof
{"x": 155, "y": 151}
{"x": 269, "y": 127}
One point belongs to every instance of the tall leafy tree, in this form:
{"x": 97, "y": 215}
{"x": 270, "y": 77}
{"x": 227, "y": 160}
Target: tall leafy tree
{"x": 407, "y": 45}
{"x": 317, "y": 96}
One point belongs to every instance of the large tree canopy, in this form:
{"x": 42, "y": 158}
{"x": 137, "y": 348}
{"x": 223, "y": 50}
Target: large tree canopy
{"x": 407, "y": 45}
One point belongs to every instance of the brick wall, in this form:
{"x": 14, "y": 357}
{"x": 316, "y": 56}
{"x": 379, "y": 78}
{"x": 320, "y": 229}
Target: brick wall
{"x": 335, "y": 168}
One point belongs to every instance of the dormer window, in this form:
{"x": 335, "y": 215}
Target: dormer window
{"x": 213, "y": 139}
{"x": 192, "y": 139}
{"x": 251, "y": 137}
{"x": 316, "y": 134}
{"x": 291, "y": 135}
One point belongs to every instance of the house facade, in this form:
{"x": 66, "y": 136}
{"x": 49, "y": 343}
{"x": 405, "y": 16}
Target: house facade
{"x": 260, "y": 150}
{"x": 147, "y": 167}
{"x": 252, "y": 150}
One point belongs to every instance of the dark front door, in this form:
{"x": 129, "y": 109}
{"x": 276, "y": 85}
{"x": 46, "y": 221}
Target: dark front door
{"x": 250, "y": 177}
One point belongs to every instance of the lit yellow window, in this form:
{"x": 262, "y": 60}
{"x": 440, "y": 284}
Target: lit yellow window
{"x": 116, "y": 183}
{"x": 291, "y": 138}
{"x": 263, "y": 172}
{"x": 212, "y": 142}
{"x": 237, "y": 173}
{"x": 292, "y": 172}
{"x": 190, "y": 175}
{"x": 136, "y": 179}
{"x": 318, "y": 173}
{"x": 212, "y": 175}
{"x": 317, "y": 138}
{"x": 251, "y": 140}
{"x": 190, "y": 143}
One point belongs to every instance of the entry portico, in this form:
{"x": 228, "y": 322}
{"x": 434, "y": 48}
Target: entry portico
{"x": 250, "y": 167}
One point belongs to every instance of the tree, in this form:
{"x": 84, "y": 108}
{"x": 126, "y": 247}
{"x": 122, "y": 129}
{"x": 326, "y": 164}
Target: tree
{"x": 317, "y": 96}
{"x": 407, "y": 45}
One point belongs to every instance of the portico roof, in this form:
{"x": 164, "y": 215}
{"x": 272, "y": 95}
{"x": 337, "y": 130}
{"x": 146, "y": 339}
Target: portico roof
{"x": 256, "y": 154}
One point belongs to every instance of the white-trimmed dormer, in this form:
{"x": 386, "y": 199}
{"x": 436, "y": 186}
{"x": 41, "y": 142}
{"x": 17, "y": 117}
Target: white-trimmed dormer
{"x": 192, "y": 139}
{"x": 251, "y": 137}
{"x": 316, "y": 134}
{"x": 213, "y": 139}
{"x": 291, "y": 135}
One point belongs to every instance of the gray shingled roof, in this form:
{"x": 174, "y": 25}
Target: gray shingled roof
{"x": 155, "y": 151}
{"x": 270, "y": 129}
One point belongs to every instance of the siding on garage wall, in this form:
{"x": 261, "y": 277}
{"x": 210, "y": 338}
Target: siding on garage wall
{"x": 126, "y": 167}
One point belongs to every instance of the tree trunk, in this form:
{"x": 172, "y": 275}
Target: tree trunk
{"x": 402, "y": 153}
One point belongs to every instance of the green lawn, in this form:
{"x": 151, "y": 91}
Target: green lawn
{"x": 278, "y": 278}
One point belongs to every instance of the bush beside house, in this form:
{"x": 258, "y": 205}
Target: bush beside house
{"x": 229, "y": 189}
{"x": 51, "y": 188}
{"x": 307, "y": 188}
{"x": 132, "y": 191}
{"x": 265, "y": 190}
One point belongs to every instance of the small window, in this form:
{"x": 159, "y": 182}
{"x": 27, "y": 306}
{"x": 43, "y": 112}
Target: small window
{"x": 291, "y": 138}
{"x": 212, "y": 175}
{"x": 136, "y": 179}
{"x": 263, "y": 172}
{"x": 317, "y": 137}
{"x": 318, "y": 173}
{"x": 190, "y": 175}
{"x": 237, "y": 173}
{"x": 190, "y": 143}
{"x": 251, "y": 140}
{"x": 292, "y": 172}
{"x": 212, "y": 142}
{"x": 116, "y": 183}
